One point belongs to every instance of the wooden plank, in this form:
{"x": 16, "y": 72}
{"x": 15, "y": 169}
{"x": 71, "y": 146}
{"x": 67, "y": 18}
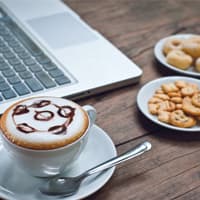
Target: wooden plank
{"x": 153, "y": 174}
{"x": 193, "y": 194}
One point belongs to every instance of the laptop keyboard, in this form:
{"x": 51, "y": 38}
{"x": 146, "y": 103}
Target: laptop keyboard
{"x": 24, "y": 67}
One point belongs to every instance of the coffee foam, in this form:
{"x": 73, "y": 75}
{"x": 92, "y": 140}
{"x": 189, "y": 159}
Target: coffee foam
{"x": 44, "y": 123}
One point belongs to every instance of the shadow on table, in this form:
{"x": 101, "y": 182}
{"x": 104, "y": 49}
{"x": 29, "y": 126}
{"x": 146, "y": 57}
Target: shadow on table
{"x": 164, "y": 71}
{"x": 165, "y": 133}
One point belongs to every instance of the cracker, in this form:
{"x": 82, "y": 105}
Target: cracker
{"x": 176, "y": 99}
{"x": 162, "y": 96}
{"x": 180, "y": 119}
{"x": 189, "y": 108}
{"x": 174, "y": 94}
{"x": 169, "y": 87}
{"x": 176, "y": 103}
{"x": 153, "y": 108}
{"x": 154, "y": 100}
{"x": 196, "y": 99}
{"x": 163, "y": 116}
{"x": 180, "y": 84}
{"x": 166, "y": 106}
{"x": 188, "y": 91}
{"x": 159, "y": 91}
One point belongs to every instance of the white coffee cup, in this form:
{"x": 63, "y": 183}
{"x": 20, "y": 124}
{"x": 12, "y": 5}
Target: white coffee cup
{"x": 44, "y": 163}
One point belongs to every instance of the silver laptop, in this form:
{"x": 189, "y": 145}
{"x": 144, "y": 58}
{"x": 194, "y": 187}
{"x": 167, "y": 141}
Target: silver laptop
{"x": 47, "y": 49}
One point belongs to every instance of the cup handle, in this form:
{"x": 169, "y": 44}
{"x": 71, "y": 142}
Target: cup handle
{"x": 92, "y": 113}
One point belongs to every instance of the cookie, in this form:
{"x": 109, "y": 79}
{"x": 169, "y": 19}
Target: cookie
{"x": 179, "y": 106}
{"x": 163, "y": 116}
{"x": 162, "y": 96}
{"x": 189, "y": 108}
{"x": 197, "y": 64}
{"x": 174, "y": 94}
{"x": 172, "y": 44}
{"x": 153, "y": 108}
{"x": 194, "y": 86}
{"x": 188, "y": 91}
{"x": 176, "y": 100}
{"x": 196, "y": 99}
{"x": 179, "y": 59}
{"x": 180, "y": 119}
{"x": 180, "y": 84}
{"x": 169, "y": 87}
{"x": 191, "y": 46}
{"x": 154, "y": 100}
{"x": 159, "y": 91}
{"x": 166, "y": 106}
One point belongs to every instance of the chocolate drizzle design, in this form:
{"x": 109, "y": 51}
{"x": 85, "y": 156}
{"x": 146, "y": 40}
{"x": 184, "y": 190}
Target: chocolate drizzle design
{"x": 46, "y": 115}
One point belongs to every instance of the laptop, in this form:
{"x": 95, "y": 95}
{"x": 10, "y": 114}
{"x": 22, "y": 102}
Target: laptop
{"x": 47, "y": 49}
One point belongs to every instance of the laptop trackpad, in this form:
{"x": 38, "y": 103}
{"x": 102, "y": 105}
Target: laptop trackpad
{"x": 61, "y": 30}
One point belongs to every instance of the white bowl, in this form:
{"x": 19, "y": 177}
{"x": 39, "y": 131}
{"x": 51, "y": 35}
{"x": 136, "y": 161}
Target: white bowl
{"x": 158, "y": 52}
{"x": 148, "y": 90}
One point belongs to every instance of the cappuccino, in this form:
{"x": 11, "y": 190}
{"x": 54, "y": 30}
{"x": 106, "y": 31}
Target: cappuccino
{"x": 44, "y": 123}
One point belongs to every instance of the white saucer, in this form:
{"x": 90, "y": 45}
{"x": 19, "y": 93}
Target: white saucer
{"x": 147, "y": 91}
{"x": 17, "y": 185}
{"x": 158, "y": 52}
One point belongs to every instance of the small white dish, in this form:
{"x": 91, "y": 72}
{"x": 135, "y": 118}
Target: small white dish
{"x": 18, "y": 185}
{"x": 148, "y": 90}
{"x": 158, "y": 52}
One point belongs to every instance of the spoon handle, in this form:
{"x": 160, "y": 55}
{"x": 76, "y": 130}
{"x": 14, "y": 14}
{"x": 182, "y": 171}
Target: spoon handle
{"x": 136, "y": 151}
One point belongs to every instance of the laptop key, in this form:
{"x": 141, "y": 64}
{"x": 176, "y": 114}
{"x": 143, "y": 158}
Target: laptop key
{"x": 29, "y": 61}
{"x": 13, "y": 80}
{"x": 33, "y": 84}
{"x": 43, "y": 59}
{"x": 2, "y": 80}
{"x": 35, "y": 68}
{"x": 4, "y": 86}
{"x": 49, "y": 66}
{"x": 23, "y": 55}
{"x": 61, "y": 80}
{"x": 4, "y": 66}
{"x": 9, "y": 54}
{"x": 1, "y": 59}
{"x": 21, "y": 89}
{"x": 2, "y": 43}
{"x": 14, "y": 61}
{"x": 4, "y": 49}
{"x": 2, "y": 26}
{"x": 11, "y": 41}
{"x": 8, "y": 94}
{"x": 13, "y": 44}
{"x": 8, "y": 37}
{"x": 45, "y": 79}
{"x": 25, "y": 74}
{"x": 19, "y": 68}
{"x": 18, "y": 49}
{"x": 4, "y": 32}
{"x": 8, "y": 73}
{"x": 55, "y": 73}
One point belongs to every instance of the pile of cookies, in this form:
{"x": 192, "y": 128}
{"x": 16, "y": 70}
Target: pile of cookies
{"x": 176, "y": 103}
{"x": 183, "y": 53}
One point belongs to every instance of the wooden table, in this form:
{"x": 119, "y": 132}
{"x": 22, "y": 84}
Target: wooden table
{"x": 171, "y": 170}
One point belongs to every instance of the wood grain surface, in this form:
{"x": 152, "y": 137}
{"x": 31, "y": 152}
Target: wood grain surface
{"x": 171, "y": 170}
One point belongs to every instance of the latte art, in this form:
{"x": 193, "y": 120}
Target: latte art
{"x": 44, "y": 122}
{"x": 43, "y": 115}
{"x": 66, "y": 112}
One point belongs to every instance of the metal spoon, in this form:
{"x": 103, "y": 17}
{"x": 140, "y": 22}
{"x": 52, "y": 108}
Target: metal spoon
{"x": 68, "y": 186}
